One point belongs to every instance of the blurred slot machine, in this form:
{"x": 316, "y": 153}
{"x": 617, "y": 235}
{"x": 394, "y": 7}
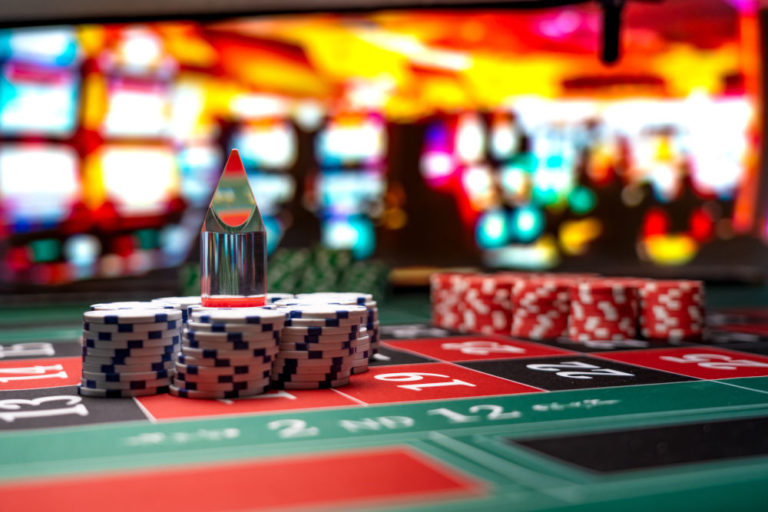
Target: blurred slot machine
{"x": 488, "y": 163}
{"x": 39, "y": 169}
{"x": 351, "y": 152}
{"x": 131, "y": 174}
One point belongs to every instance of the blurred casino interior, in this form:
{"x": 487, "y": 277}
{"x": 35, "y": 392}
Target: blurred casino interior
{"x": 417, "y": 137}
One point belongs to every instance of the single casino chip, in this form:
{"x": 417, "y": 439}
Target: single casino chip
{"x": 237, "y": 328}
{"x": 316, "y": 354}
{"x": 121, "y": 393}
{"x": 331, "y": 362}
{"x": 129, "y": 352}
{"x": 320, "y": 331}
{"x": 224, "y": 378}
{"x": 161, "y": 327}
{"x": 248, "y": 359}
{"x": 126, "y": 360}
{"x": 229, "y": 345}
{"x": 179, "y": 302}
{"x": 324, "y": 322}
{"x": 92, "y": 383}
{"x": 224, "y": 337}
{"x": 131, "y": 316}
{"x": 317, "y": 338}
{"x": 154, "y": 366}
{"x": 315, "y": 346}
{"x": 126, "y": 376}
{"x": 89, "y": 340}
{"x": 161, "y": 335}
{"x": 358, "y": 298}
{"x": 119, "y": 337}
{"x": 316, "y": 376}
{"x": 183, "y": 304}
{"x": 315, "y": 372}
{"x": 241, "y": 385}
{"x": 254, "y": 316}
{"x": 234, "y": 370}
{"x": 212, "y": 353}
{"x": 305, "y": 367}
{"x": 132, "y": 305}
{"x": 274, "y": 297}
{"x": 182, "y": 392}
{"x": 320, "y": 342}
{"x": 328, "y": 311}
{"x": 327, "y": 384}
{"x": 94, "y": 342}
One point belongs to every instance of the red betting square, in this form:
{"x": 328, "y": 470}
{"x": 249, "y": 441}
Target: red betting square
{"x": 700, "y": 362}
{"x": 348, "y": 480}
{"x": 165, "y": 407}
{"x": 473, "y": 348}
{"x": 40, "y": 373}
{"x": 430, "y": 381}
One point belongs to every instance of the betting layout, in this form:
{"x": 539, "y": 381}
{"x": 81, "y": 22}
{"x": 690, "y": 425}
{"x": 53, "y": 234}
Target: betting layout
{"x": 458, "y": 419}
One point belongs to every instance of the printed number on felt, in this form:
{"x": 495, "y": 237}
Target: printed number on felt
{"x": 12, "y": 409}
{"x": 578, "y": 370}
{"x": 290, "y": 429}
{"x": 714, "y": 361}
{"x": 417, "y": 377}
{"x": 32, "y": 373}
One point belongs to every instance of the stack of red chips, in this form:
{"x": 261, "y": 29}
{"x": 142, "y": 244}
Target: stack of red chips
{"x": 603, "y": 309}
{"x": 583, "y": 307}
{"x": 672, "y": 310}
{"x": 472, "y": 302}
{"x": 487, "y": 304}
{"x": 447, "y": 293}
{"x": 541, "y": 307}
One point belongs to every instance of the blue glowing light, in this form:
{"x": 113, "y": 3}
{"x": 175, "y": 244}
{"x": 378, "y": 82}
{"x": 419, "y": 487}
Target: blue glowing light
{"x": 527, "y": 223}
{"x": 492, "y": 229}
{"x": 354, "y": 233}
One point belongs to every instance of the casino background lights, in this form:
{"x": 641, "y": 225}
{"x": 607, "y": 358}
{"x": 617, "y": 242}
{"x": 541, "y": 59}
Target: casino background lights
{"x": 447, "y": 138}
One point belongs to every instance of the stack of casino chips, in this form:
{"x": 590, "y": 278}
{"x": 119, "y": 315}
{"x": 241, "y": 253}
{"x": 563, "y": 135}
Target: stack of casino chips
{"x": 603, "y": 309}
{"x": 488, "y": 305}
{"x": 541, "y": 307}
{"x": 671, "y": 310}
{"x": 369, "y": 338}
{"x": 447, "y": 293}
{"x": 473, "y": 302}
{"x": 183, "y": 304}
{"x": 317, "y": 345}
{"x": 227, "y": 352}
{"x": 128, "y": 352}
{"x": 371, "y": 327}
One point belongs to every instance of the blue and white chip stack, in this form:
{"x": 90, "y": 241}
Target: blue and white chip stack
{"x": 227, "y": 352}
{"x": 371, "y": 327}
{"x": 318, "y": 345}
{"x": 128, "y": 350}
